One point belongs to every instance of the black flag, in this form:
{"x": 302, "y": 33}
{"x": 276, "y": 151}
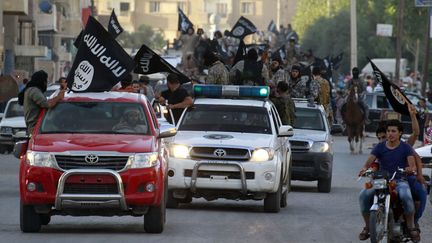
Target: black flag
{"x": 148, "y": 62}
{"x": 100, "y": 62}
{"x": 241, "y": 52}
{"x": 114, "y": 27}
{"x": 242, "y": 28}
{"x": 336, "y": 61}
{"x": 279, "y": 53}
{"x": 183, "y": 22}
{"x": 78, "y": 39}
{"x": 272, "y": 27}
{"x": 395, "y": 96}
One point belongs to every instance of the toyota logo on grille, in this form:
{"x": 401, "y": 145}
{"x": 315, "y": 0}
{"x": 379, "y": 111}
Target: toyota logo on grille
{"x": 219, "y": 153}
{"x": 91, "y": 159}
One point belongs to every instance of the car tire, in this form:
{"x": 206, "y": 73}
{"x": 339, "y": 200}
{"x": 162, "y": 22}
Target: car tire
{"x": 3, "y": 149}
{"x": 30, "y": 221}
{"x": 45, "y": 219}
{"x": 171, "y": 201}
{"x": 284, "y": 197}
{"x": 272, "y": 203}
{"x": 324, "y": 184}
{"x": 154, "y": 219}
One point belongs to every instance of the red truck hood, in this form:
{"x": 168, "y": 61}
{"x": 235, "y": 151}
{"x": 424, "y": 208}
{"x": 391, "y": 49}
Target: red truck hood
{"x": 94, "y": 142}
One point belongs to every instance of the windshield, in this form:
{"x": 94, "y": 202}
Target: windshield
{"x": 14, "y": 110}
{"x": 96, "y": 117}
{"x": 310, "y": 119}
{"x": 226, "y": 118}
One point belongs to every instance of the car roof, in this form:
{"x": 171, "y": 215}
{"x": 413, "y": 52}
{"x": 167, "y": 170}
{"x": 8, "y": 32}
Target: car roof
{"x": 236, "y": 102}
{"x": 305, "y": 104}
{"x": 101, "y": 96}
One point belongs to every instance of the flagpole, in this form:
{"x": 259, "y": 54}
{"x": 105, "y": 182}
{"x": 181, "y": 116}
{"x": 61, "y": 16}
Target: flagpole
{"x": 353, "y": 22}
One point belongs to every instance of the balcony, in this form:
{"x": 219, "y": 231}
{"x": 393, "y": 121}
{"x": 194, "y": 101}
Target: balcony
{"x": 31, "y": 51}
{"x": 15, "y": 7}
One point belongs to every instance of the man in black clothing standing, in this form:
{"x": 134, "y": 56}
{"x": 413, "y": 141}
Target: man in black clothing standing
{"x": 175, "y": 98}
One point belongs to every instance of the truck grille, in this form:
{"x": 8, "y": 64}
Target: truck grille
{"x": 67, "y": 162}
{"x": 228, "y": 153}
{"x": 299, "y": 146}
{"x": 90, "y": 189}
{"x": 228, "y": 174}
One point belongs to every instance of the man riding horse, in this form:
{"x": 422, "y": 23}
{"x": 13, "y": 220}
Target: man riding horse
{"x": 361, "y": 90}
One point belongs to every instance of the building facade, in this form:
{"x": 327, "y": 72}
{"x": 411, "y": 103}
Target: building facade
{"x": 211, "y": 15}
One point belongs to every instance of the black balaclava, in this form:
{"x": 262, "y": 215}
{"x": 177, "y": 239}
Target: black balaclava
{"x": 39, "y": 80}
{"x": 355, "y": 72}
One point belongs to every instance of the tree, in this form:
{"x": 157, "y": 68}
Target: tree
{"x": 144, "y": 35}
{"x": 329, "y": 34}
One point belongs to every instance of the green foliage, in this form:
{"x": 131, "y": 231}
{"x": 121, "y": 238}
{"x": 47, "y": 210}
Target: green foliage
{"x": 330, "y": 34}
{"x": 144, "y": 35}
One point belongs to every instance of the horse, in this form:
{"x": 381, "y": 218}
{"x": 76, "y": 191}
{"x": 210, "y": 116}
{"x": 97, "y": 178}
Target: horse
{"x": 354, "y": 118}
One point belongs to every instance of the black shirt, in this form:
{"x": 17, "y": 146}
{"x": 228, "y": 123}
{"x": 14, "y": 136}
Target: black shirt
{"x": 176, "y": 97}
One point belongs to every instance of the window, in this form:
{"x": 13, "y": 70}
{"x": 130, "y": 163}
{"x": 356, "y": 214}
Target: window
{"x": 124, "y": 7}
{"x": 154, "y": 7}
{"x": 248, "y": 8}
{"x": 382, "y": 102}
{"x": 310, "y": 119}
{"x": 14, "y": 110}
{"x": 226, "y": 118}
{"x": 182, "y": 6}
{"x": 96, "y": 118}
{"x": 222, "y": 9}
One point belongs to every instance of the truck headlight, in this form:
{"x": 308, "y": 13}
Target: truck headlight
{"x": 41, "y": 159}
{"x": 320, "y": 147}
{"x": 262, "y": 154}
{"x": 179, "y": 151}
{"x": 143, "y": 160}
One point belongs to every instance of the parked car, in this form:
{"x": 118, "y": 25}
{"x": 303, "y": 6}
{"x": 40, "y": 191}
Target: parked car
{"x": 12, "y": 123}
{"x": 87, "y": 158}
{"x": 380, "y": 109}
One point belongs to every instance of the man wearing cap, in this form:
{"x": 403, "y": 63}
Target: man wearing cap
{"x": 175, "y": 97}
{"x": 302, "y": 87}
{"x": 361, "y": 90}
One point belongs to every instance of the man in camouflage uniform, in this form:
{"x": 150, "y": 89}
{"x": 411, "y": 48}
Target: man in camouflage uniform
{"x": 284, "y": 104}
{"x": 217, "y": 72}
{"x": 324, "y": 93}
{"x": 361, "y": 90}
{"x": 302, "y": 87}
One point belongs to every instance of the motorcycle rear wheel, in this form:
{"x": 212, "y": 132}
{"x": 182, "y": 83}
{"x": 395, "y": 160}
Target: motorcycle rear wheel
{"x": 376, "y": 225}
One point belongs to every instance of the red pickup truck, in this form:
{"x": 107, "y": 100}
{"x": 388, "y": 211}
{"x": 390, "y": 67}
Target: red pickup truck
{"x": 95, "y": 154}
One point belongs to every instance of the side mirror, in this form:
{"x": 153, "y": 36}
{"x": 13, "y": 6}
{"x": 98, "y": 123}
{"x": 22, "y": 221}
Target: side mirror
{"x": 20, "y": 148}
{"x": 286, "y": 131}
{"x": 336, "y": 128}
{"x": 167, "y": 130}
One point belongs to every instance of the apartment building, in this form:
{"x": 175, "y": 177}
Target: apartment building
{"x": 210, "y": 15}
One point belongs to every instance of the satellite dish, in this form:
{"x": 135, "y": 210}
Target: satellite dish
{"x": 45, "y": 7}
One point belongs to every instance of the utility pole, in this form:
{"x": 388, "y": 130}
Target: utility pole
{"x": 399, "y": 23}
{"x": 353, "y": 33}
{"x": 425, "y": 78}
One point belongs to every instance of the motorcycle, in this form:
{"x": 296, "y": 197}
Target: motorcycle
{"x": 386, "y": 219}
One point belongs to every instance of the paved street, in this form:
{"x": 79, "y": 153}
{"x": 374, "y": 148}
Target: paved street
{"x": 309, "y": 217}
